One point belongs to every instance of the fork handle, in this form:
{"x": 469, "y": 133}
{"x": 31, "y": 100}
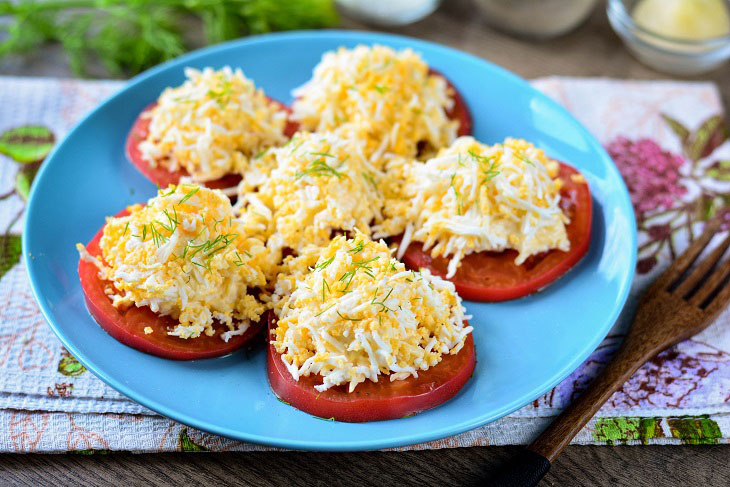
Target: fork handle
{"x": 533, "y": 463}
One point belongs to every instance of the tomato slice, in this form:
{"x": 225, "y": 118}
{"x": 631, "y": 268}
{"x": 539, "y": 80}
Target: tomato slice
{"x": 372, "y": 401}
{"x": 494, "y": 276}
{"x": 127, "y": 326}
{"x": 459, "y": 111}
{"x": 163, "y": 177}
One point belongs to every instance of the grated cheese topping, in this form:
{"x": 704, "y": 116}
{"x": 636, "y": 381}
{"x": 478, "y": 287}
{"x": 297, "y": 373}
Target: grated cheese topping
{"x": 358, "y": 314}
{"x": 386, "y": 101}
{"x": 184, "y": 255}
{"x": 317, "y": 187}
{"x": 212, "y": 124}
{"x": 472, "y": 198}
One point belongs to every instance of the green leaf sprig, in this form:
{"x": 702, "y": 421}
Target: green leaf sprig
{"x": 129, "y": 36}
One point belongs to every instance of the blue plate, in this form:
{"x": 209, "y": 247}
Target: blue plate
{"x": 524, "y": 347}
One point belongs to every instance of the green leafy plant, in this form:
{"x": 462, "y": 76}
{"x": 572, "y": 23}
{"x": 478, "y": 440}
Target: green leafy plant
{"x": 129, "y": 36}
{"x": 28, "y": 146}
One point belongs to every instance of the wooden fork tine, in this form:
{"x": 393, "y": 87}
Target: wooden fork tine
{"x": 719, "y": 302}
{"x": 717, "y": 277}
{"x": 685, "y": 260}
{"x": 699, "y": 273}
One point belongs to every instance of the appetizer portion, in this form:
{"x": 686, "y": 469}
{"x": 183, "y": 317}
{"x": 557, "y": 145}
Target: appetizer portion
{"x": 315, "y": 187}
{"x": 499, "y": 221}
{"x": 207, "y": 129}
{"x": 388, "y": 101}
{"x": 174, "y": 277}
{"x": 360, "y": 338}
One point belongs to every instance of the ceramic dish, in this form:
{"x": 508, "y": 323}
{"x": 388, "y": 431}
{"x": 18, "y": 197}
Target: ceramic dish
{"x": 524, "y": 347}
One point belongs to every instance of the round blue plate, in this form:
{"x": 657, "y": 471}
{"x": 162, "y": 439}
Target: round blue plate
{"x": 524, "y": 347}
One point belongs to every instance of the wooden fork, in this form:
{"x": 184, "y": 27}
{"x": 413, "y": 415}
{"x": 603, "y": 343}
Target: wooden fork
{"x": 682, "y": 302}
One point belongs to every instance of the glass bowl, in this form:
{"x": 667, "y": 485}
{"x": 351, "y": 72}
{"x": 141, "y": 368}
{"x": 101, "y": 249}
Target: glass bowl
{"x": 668, "y": 55}
{"x": 536, "y": 19}
{"x": 388, "y": 13}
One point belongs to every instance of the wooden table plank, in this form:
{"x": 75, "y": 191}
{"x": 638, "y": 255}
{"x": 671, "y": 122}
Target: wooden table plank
{"x": 593, "y": 50}
{"x": 638, "y": 466}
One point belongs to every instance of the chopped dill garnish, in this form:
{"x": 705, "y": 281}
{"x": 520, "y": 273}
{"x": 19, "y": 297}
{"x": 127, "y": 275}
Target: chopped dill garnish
{"x": 524, "y": 159}
{"x": 456, "y": 192}
{"x": 126, "y": 227}
{"x": 320, "y": 168}
{"x": 282, "y": 401}
{"x": 248, "y": 254}
{"x": 238, "y": 261}
{"x": 157, "y": 237}
{"x": 261, "y": 153}
{"x": 209, "y": 248}
{"x": 326, "y": 309}
{"x": 346, "y": 318}
{"x": 381, "y": 303}
{"x": 172, "y": 191}
{"x": 223, "y": 96}
{"x": 322, "y": 154}
{"x": 294, "y": 149}
{"x": 325, "y": 286}
{"x": 381, "y": 88}
{"x": 370, "y": 180}
{"x": 359, "y": 246}
{"x": 324, "y": 264}
{"x": 189, "y": 195}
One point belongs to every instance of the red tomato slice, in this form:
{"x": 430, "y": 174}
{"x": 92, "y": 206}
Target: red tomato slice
{"x": 459, "y": 111}
{"x": 494, "y": 276}
{"x": 161, "y": 176}
{"x": 128, "y": 326}
{"x": 372, "y": 401}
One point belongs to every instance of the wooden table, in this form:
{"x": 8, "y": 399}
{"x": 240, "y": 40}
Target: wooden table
{"x": 593, "y": 50}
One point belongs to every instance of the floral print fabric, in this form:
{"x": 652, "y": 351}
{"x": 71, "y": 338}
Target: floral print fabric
{"x": 670, "y": 144}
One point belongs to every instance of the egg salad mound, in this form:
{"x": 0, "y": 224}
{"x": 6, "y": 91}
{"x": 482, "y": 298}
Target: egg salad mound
{"x": 212, "y": 124}
{"x": 385, "y": 99}
{"x": 359, "y": 314}
{"x": 472, "y": 198}
{"x": 184, "y": 254}
{"x": 317, "y": 187}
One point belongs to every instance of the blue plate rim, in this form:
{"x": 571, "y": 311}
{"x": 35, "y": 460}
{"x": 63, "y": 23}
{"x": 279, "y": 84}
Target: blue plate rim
{"x": 395, "y": 441}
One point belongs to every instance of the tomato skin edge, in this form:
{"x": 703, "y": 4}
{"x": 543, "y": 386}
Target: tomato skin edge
{"x": 459, "y": 111}
{"x": 121, "y": 326}
{"x": 160, "y": 175}
{"x": 329, "y": 404}
{"x": 415, "y": 258}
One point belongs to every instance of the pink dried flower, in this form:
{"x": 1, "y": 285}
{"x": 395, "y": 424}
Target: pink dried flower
{"x": 651, "y": 174}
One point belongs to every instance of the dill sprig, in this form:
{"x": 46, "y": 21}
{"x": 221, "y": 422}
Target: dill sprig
{"x": 347, "y": 318}
{"x": 369, "y": 178}
{"x": 326, "y": 309}
{"x": 208, "y": 249}
{"x": 524, "y": 159}
{"x": 131, "y": 36}
{"x": 189, "y": 195}
{"x": 359, "y": 246}
{"x": 320, "y": 168}
{"x": 490, "y": 172}
{"x": 457, "y": 194}
{"x": 324, "y": 264}
{"x": 325, "y": 286}
{"x": 223, "y": 95}
{"x": 381, "y": 303}
{"x": 364, "y": 265}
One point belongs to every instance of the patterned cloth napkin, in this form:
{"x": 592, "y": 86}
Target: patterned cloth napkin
{"x": 667, "y": 138}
